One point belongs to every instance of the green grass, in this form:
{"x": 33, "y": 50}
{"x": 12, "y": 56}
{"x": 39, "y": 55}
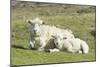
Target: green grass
{"x": 80, "y": 24}
{"x": 34, "y": 57}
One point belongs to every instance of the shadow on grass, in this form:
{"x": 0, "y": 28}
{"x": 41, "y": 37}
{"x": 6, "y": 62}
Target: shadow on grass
{"x": 15, "y": 66}
{"x": 20, "y": 47}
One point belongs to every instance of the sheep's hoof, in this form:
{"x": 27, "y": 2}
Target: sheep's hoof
{"x": 53, "y": 50}
{"x": 40, "y": 49}
{"x": 30, "y": 47}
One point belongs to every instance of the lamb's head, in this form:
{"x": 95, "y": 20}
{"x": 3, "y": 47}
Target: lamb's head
{"x": 58, "y": 40}
{"x": 35, "y": 25}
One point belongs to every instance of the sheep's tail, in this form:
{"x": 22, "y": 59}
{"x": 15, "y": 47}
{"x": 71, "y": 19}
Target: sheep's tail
{"x": 84, "y": 47}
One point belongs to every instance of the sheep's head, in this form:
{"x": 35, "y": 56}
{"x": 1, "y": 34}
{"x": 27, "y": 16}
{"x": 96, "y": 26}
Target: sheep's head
{"x": 35, "y": 24}
{"x": 58, "y": 40}
{"x": 36, "y": 20}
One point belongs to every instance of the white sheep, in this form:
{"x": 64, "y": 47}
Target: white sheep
{"x": 74, "y": 45}
{"x": 41, "y": 34}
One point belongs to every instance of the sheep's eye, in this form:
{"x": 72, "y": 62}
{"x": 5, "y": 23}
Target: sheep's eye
{"x": 33, "y": 25}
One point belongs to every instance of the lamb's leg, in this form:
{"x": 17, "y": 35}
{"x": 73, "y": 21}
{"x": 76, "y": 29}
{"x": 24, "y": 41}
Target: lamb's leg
{"x": 41, "y": 48}
{"x": 31, "y": 44}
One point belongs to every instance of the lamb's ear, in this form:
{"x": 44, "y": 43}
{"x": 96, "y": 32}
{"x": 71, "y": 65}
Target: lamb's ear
{"x": 64, "y": 37}
{"x": 53, "y": 36}
{"x": 44, "y": 23}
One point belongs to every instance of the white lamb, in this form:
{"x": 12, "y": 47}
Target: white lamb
{"x": 74, "y": 45}
{"x": 41, "y": 34}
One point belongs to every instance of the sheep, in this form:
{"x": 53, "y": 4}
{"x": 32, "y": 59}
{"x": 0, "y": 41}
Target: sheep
{"x": 74, "y": 45}
{"x": 41, "y": 34}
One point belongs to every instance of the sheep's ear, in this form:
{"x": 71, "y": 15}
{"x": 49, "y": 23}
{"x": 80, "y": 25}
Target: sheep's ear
{"x": 29, "y": 21}
{"x": 64, "y": 37}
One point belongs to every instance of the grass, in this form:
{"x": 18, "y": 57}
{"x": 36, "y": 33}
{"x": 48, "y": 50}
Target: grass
{"x": 35, "y": 57}
{"x": 79, "y": 23}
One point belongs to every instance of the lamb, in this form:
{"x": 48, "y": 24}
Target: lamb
{"x": 74, "y": 45}
{"x": 41, "y": 34}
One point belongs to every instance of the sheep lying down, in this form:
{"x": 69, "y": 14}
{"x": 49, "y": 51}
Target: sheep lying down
{"x": 74, "y": 45}
{"x": 41, "y": 34}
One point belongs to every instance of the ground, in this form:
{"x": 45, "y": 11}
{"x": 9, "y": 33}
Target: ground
{"x": 79, "y": 19}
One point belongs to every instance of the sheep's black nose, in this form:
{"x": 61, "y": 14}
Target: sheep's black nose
{"x": 34, "y": 31}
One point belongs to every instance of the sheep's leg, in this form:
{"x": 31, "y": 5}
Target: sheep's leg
{"x": 54, "y": 50}
{"x": 41, "y": 48}
{"x": 31, "y": 42}
{"x": 42, "y": 45}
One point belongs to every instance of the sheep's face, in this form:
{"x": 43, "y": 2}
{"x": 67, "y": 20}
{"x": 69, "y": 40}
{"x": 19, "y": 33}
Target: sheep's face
{"x": 58, "y": 41}
{"x": 36, "y": 29}
{"x": 35, "y": 24}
